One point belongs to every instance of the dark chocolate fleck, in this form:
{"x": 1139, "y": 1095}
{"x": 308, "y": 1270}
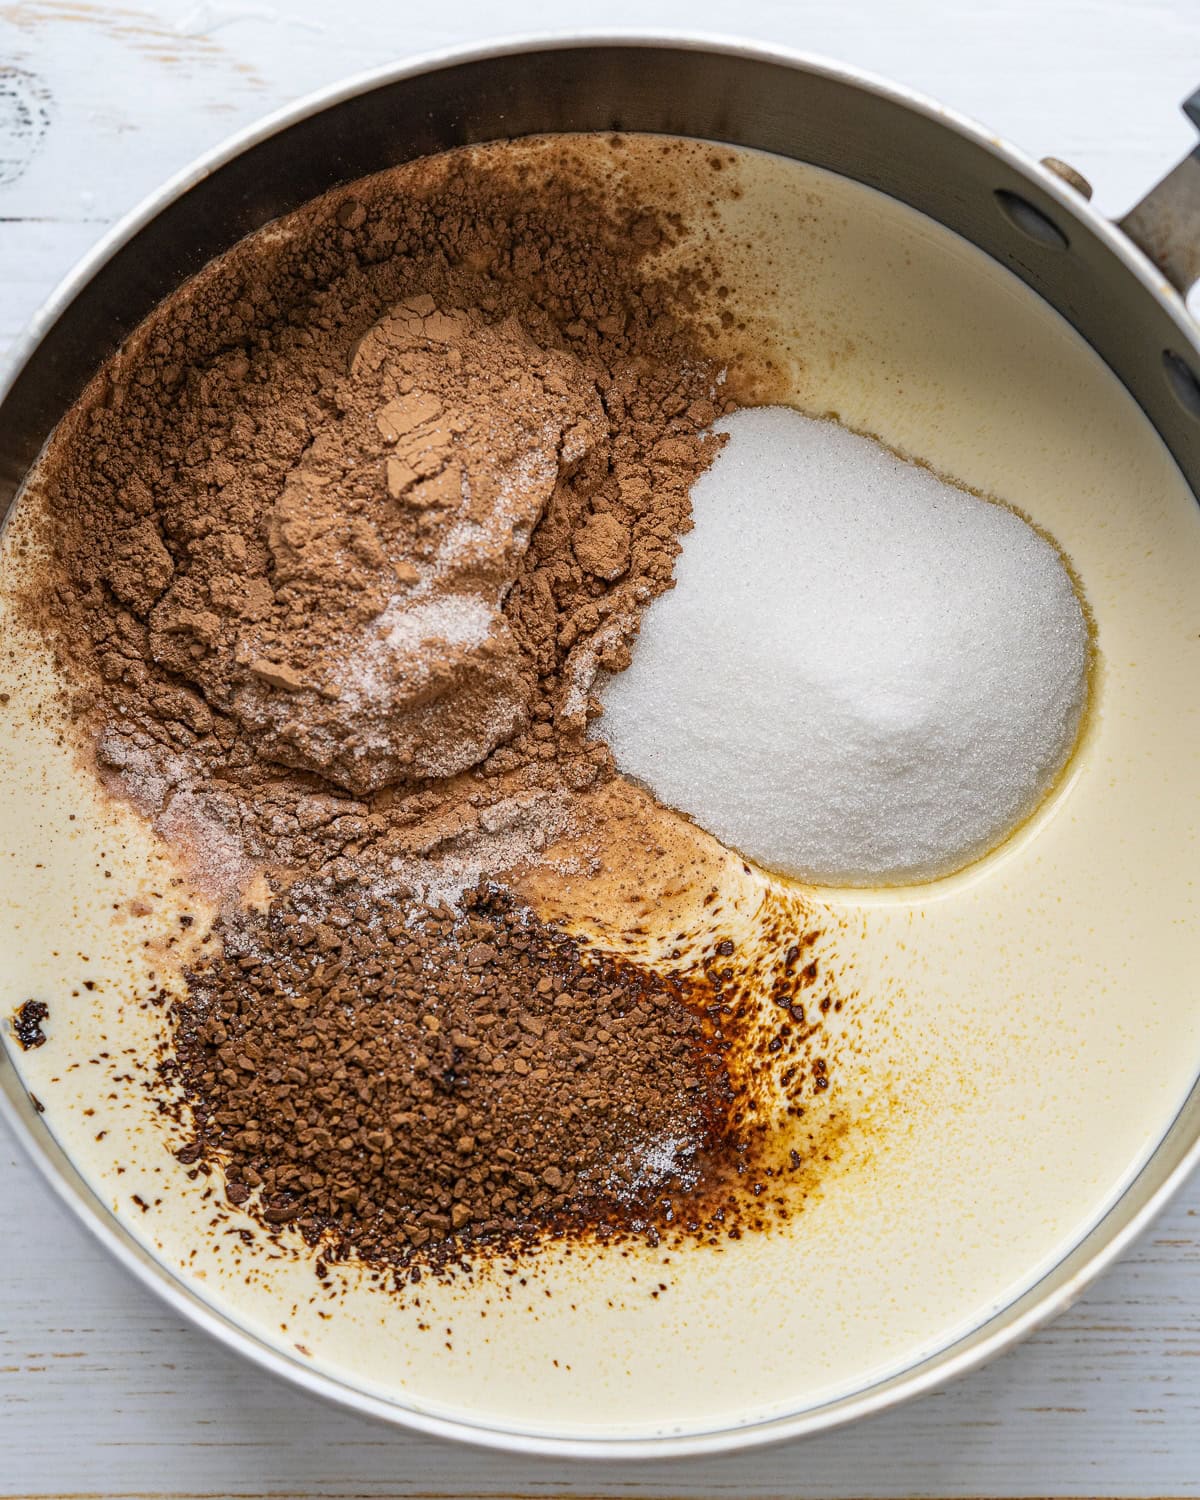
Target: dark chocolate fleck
{"x": 27, "y": 1024}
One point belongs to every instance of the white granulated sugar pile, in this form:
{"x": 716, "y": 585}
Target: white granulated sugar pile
{"x": 864, "y": 675}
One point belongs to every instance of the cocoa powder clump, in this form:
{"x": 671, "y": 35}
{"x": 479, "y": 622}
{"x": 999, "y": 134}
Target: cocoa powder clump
{"x": 365, "y": 641}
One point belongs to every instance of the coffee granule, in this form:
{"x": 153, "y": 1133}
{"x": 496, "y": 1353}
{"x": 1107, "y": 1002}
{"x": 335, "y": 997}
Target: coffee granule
{"x": 389, "y": 1078}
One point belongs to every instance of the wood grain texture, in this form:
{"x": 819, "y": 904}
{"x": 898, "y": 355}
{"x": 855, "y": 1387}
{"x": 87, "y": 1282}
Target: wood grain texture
{"x": 102, "y": 1392}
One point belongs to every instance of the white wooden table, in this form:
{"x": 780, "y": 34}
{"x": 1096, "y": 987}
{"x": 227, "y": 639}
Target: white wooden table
{"x": 102, "y": 1392}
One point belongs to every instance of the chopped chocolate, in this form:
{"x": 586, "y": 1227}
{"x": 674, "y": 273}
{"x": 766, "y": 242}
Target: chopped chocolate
{"x": 27, "y": 1024}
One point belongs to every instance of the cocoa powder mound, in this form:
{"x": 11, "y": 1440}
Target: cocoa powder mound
{"x": 360, "y": 512}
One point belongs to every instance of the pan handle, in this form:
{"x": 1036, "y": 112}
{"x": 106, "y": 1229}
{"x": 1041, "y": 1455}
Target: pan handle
{"x": 1165, "y": 225}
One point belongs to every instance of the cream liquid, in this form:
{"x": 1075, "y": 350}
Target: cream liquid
{"x": 1025, "y": 1031}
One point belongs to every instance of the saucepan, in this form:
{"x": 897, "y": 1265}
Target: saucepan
{"x": 1121, "y": 286}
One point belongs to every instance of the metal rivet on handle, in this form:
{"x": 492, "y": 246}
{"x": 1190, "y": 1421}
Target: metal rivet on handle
{"x": 1069, "y": 175}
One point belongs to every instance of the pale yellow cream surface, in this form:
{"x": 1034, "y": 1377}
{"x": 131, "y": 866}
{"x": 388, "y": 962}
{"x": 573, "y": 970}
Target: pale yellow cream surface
{"x": 1023, "y": 1033}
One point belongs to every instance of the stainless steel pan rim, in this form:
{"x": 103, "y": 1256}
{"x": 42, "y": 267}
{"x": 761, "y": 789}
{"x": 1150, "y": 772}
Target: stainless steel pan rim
{"x": 1167, "y": 1168}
